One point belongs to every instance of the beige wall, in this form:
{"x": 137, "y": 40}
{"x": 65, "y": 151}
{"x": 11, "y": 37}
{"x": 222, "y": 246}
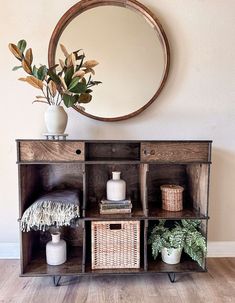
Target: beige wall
{"x": 197, "y": 103}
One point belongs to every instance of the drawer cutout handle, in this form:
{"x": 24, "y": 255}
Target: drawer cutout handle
{"x": 149, "y": 153}
{"x": 115, "y": 226}
{"x": 78, "y": 151}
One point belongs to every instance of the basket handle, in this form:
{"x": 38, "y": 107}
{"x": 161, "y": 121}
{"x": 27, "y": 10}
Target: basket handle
{"x": 115, "y": 226}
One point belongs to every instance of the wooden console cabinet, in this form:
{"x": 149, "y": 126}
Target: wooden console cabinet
{"x": 87, "y": 165}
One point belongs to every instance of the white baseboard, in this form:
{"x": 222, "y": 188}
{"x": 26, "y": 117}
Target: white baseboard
{"x": 9, "y": 251}
{"x": 221, "y": 249}
{"x": 215, "y": 249}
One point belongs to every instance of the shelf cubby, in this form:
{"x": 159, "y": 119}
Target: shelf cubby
{"x": 113, "y": 151}
{"x": 34, "y": 252}
{"x": 97, "y": 176}
{"x": 192, "y": 177}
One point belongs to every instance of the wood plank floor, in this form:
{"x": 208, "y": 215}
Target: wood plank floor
{"x": 216, "y": 286}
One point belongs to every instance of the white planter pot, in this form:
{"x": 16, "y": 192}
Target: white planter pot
{"x": 116, "y": 187}
{"x": 171, "y": 256}
{"x": 56, "y": 119}
{"x": 56, "y": 250}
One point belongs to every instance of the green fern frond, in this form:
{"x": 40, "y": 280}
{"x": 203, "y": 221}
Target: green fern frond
{"x": 185, "y": 234}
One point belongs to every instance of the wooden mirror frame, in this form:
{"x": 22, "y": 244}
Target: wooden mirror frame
{"x": 134, "y": 5}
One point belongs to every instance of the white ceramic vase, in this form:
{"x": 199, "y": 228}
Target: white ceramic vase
{"x": 171, "y": 256}
{"x": 116, "y": 187}
{"x": 56, "y": 250}
{"x": 56, "y": 119}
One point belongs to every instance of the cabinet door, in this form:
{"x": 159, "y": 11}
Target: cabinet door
{"x": 51, "y": 151}
{"x": 175, "y": 152}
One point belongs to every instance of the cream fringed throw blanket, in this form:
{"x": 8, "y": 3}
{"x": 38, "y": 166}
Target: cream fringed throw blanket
{"x": 57, "y": 208}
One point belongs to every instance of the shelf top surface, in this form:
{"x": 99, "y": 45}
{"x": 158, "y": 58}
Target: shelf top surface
{"x": 116, "y": 141}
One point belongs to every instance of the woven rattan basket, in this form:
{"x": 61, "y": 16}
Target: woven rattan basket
{"x": 172, "y": 197}
{"x": 115, "y": 244}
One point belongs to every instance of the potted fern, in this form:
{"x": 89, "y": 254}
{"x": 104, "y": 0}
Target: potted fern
{"x": 170, "y": 241}
{"x": 68, "y": 82}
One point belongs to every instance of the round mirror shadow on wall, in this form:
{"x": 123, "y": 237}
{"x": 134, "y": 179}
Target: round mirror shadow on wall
{"x": 132, "y": 50}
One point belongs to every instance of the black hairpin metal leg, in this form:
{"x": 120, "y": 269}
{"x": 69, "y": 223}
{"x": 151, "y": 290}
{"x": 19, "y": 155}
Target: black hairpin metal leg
{"x": 171, "y": 276}
{"x": 56, "y": 280}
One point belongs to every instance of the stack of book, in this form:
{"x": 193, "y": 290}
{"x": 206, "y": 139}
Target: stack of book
{"x": 115, "y": 207}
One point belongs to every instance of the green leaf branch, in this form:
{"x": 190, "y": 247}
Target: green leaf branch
{"x": 65, "y": 82}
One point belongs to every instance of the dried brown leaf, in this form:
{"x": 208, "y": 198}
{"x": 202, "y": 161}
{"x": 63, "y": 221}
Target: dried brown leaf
{"x": 40, "y": 97}
{"x": 62, "y": 64}
{"x": 29, "y": 56}
{"x": 89, "y": 70}
{"x": 52, "y": 88}
{"x": 64, "y": 50}
{"x": 90, "y": 63}
{"x": 34, "y": 82}
{"x": 40, "y": 101}
{"x": 71, "y": 60}
{"x": 79, "y": 73}
{"x": 15, "y": 51}
{"x": 63, "y": 83}
{"x": 26, "y": 66}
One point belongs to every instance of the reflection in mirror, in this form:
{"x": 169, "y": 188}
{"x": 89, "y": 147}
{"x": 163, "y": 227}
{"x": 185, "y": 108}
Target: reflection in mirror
{"x": 132, "y": 56}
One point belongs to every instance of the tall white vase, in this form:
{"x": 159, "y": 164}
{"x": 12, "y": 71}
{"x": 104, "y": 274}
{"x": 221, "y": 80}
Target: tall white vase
{"x": 56, "y": 250}
{"x": 56, "y": 119}
{"x": 116, "y": 187}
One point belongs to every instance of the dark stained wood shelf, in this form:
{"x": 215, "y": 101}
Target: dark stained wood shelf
{"x": 86, "y": 165}
{"x": 123, "y": 271}
{"x": 185, "y": 265}
{"x": 154, "y": 214}
{"x": 94, "y": 214}
{"x": 160, "y": 213}
{"x": 112, "y": 161}
{"x": 38, "y": 265}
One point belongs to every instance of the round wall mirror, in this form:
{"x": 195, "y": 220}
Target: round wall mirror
{"x": 132, "y": 50}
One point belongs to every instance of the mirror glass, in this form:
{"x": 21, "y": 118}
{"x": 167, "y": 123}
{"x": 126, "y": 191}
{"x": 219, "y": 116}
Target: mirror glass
{"x": 131, "y": 54}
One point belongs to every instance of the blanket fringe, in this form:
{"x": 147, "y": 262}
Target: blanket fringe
{"x": 43, "y": 214}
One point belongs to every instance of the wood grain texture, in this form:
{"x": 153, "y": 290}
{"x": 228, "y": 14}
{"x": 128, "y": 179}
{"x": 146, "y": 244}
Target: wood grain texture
{"x": 61, "y": 176}
{"x": 186, "y": 213}
{"x": 175, "y": 152}
{"x": 113, "y": 151}
{"x": 93, "y": 213}
{"x": 216, "y": 286}
{"x": 144, "y": 188}
{"x": 28, "y": 177}
{"x": 198, "y": 182}
{"x": 51, "y": 151}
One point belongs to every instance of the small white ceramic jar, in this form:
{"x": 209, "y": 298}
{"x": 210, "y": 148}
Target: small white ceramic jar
{"x": 116, "y": 187}
{"x": 56, "y": 250}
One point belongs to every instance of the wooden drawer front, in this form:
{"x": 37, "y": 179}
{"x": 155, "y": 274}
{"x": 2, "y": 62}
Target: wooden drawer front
{"x": 175, "y": 151}
{"x": 51, "y": 151}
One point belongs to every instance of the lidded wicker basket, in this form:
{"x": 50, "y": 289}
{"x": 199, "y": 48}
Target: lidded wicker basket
{"x": 172, "y": 197}
{"x": 115, "y": 244}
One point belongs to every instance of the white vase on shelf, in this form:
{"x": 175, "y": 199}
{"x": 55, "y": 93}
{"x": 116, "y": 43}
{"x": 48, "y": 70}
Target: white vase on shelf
{"x": 56, "y": 253}
{"x": 56, "y": 119}
{"x": 116, "y": 187}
